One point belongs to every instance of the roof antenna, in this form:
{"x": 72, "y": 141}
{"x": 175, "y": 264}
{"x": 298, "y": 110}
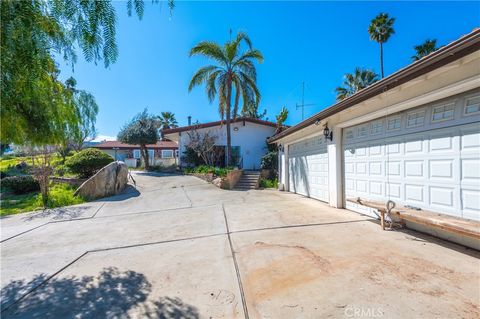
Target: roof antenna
{"x": 303, "y": 101}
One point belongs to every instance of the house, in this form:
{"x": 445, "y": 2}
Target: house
{"x": 249, "y": 137}
{"x": 412, "y": 137}
{"x": 163, "y": 153}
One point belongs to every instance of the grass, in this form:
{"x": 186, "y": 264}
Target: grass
{"x": 60, "y": 195}
{"x": 269, "y": 183}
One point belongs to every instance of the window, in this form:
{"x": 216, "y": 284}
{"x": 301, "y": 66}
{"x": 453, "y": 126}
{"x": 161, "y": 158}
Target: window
{"x": 363, "y": 131}
{"x": 349, "y": 134}
{"x": 394, "y": 123}
{"x": 472, "y": 105}
{"x": 151, "y": 154}
{"x": 136, "y": 153}
{"x": 443, "y": 113}
{"x": 167, "y": 153}
{"x": 416, "y": 118}
{"x": 376, "y": 128}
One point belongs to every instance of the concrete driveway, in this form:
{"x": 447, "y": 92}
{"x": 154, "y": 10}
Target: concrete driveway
{"x": 177, "y": 247}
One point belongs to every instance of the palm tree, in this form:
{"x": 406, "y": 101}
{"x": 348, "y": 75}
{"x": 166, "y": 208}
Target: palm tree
{"x": 167, "y": 120}
{"x": 233, "y": 75}
{"x": 424, "y": 49}
{"x": 380, "y": 30}
{"x": 354, "y": 82}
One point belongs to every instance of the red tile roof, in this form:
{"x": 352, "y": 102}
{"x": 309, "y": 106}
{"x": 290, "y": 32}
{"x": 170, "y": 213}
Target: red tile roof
{"x": 159, "y": 145}
{"x": 218, "y": 123}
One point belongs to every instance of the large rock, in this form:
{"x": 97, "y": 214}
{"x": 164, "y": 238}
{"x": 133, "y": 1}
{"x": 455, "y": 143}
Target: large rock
{"x": 108, "y": 181}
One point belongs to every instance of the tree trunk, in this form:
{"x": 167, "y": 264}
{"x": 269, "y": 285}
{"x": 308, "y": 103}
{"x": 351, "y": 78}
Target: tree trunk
{"x": 144, "y": 152}
{"x": 381, "y": 58}
{"x": 228, "y": 151}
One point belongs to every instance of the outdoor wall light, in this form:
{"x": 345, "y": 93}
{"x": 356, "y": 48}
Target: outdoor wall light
{"x": 280, "y": 147}
{"x": 327, "y": 133}
{"x": 235, "y": 129}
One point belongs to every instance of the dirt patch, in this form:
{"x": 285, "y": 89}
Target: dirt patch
{"x": 295, "y": 266}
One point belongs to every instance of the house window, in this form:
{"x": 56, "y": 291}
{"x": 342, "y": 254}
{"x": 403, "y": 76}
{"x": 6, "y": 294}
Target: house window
{"x": 349, "y": 134}
{"x": 394, "y": 123}
{"x": 443, "y": 113}
{"x": 151, "y": 154}
{"x": 167, "y": 153}
{"x": 136, "y": 153}
{"x": 416, "y": 118}
{"x": 472, "y": 105}
{"x": 376, "y": 128}
{"x": 363, "y": 131}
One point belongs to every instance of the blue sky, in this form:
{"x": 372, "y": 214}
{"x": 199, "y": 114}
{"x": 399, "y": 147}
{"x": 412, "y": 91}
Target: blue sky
{"x": 315, "y": 42}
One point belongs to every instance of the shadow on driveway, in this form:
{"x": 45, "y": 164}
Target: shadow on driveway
{"x": 111, "y": 294}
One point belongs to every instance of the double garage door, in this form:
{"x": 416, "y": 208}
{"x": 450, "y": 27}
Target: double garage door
{"x": 308, "y": 168}
{"x": 436, "y": 170}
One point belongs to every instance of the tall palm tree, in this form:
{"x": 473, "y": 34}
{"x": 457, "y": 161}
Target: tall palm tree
{"x": 167, "y": 120}
{"x": 233, "y": 75}
{"x": 424, "y": 49}
{"x": 353, "y": 82}
{"x": 380, "y": 30}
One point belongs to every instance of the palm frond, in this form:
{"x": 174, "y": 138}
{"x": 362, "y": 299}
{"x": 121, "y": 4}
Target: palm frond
{"x": 211, "y": 50}
{"x": 200, "y": 76}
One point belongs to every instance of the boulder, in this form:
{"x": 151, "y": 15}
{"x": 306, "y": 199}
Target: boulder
{"x": 217, "y": 182}
{"x": 108, "y": 181}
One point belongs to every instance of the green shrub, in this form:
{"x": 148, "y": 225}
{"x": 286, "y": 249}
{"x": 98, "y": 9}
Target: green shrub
{"x": 269, "y": 183}
{"x": 60, "y": 195}
{"x": 270, "y": 161}
{"x": 87, "y": 162}
{"x": 20, "y": 184}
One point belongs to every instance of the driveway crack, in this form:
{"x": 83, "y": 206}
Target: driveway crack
{"x": 235, "y": 263}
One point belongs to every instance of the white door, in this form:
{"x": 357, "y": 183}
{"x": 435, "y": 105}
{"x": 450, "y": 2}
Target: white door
{"x": 308, "y": 168}
{"x": 432, "y": 169}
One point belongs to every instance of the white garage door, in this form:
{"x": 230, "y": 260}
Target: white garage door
{"x": 308, "y": 168}
{"x": 434, "y": 168}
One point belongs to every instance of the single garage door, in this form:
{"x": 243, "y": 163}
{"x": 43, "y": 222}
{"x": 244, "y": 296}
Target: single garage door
{"x": 308, "y": 168}
{"x": 413, "y": 159}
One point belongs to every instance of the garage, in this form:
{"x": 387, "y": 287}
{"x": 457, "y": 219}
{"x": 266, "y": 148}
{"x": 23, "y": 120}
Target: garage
{"x": 308, "y": 168}
{"x": 427, "y": 158}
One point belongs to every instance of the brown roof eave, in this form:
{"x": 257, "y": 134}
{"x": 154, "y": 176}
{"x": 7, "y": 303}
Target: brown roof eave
{"x": 453, "y": 51}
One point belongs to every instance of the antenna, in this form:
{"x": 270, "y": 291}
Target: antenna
{"x": 303, "y": 102}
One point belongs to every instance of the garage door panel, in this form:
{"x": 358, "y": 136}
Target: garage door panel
{"x": 434, "y": 170}
{"x": 308, "y": 163}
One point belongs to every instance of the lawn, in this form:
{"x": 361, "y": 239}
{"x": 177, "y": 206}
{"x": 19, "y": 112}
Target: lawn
{"x": 60, "y": 195}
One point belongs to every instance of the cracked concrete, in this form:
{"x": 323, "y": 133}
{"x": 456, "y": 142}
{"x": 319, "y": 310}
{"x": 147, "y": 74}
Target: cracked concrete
{"x": 177, "y": 247}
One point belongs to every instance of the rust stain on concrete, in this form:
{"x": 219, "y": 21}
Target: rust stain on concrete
{"x": 297, "y": 266}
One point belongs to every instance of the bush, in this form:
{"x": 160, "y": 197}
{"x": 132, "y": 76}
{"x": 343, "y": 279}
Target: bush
{"x": 60, "y": 195}
{"x": 87, "y": 162}
{"x": 270, "y": 161}
{"x": 269, "y": 183}
{"x": 21, "y": 184}
{"x": 205, "y": 169}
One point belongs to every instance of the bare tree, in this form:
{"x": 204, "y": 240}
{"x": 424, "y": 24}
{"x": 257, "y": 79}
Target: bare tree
{"x": 203, "y": 145}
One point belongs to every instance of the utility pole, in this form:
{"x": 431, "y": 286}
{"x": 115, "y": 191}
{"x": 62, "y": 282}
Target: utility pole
{"x": 303, "y": 102}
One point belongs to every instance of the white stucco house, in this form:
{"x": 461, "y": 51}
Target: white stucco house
{"x": 164, "y": 153}
{"x": 249, "y": 138}
{"x": 412, "y": 137}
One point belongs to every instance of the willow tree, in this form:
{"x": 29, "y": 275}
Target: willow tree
{"x": 36, "y": 107}
{"x": 232, "y": 78}
{"x": 354, "y": 82}
{"x": 380, "y": 30}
